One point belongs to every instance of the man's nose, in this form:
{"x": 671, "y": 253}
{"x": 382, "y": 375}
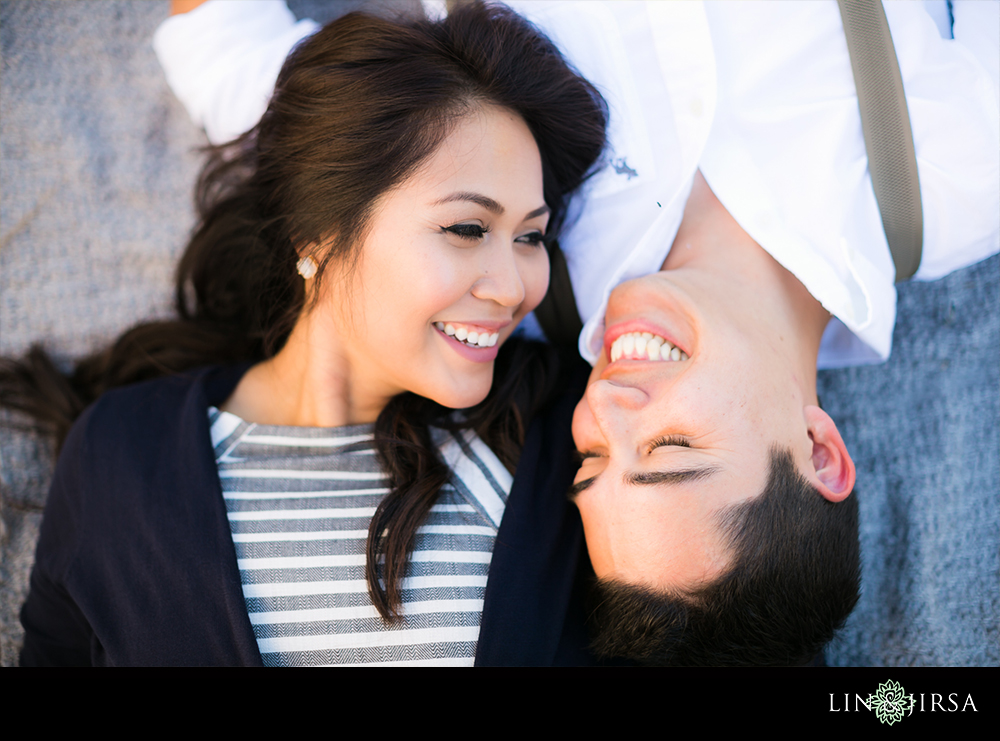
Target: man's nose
{"x": 500, "y": 279}
{"x": 615, "y": 408}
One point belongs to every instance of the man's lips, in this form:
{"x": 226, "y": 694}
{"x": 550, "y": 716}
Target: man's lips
{"x": 638, "y": 337}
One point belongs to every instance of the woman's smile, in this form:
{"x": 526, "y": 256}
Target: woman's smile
{"x": 473, "y": 336}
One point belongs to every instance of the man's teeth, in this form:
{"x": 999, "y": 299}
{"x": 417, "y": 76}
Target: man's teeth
{"x": 644, "y": 346}
{"x": 472, "y": 338}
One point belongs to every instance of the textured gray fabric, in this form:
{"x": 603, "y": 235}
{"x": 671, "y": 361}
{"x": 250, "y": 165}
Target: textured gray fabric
{"x": 97, "y": 163}
{"x": 924, "y": 434}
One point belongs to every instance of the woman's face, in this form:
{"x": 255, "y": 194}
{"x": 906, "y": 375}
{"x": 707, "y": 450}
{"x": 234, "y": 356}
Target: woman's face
{"x": 452, "y": 262}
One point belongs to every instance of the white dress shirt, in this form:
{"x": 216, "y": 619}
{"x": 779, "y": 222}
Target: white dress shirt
{"x": 759, "y": 96}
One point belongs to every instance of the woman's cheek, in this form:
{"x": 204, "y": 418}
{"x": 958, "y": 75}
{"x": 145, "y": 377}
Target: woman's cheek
{"x": 536, "y": 281}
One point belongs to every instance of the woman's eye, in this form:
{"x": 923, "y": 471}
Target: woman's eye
{"x": 466, "y": 231}
{"x": 534, "y": 238}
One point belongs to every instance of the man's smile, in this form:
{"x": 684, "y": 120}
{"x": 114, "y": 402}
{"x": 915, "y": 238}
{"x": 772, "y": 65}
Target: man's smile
{"x": 645, "y": 346}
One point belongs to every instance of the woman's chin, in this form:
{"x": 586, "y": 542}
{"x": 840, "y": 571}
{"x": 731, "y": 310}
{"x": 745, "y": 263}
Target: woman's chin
{"x": 462, "y": 395}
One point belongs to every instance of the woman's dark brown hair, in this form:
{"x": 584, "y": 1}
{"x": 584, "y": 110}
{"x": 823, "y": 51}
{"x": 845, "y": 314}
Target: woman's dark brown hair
{"x": 356, "y": 109}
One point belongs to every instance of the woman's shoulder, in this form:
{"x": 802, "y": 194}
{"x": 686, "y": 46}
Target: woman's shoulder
{"x": 134, "y": 513}
{"x": 155, "y": 408}
{"x": 137, "y": 448}
{"x": 129, "y": 430}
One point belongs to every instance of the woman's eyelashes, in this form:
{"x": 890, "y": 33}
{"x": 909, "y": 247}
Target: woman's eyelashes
{"x": 535, "y": 238}
{"x": 472, "y": 232}
{"x": 476, "y": 232}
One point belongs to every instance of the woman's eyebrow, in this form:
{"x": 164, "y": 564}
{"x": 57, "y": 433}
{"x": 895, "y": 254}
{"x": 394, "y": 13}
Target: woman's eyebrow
{"x": 485, "y": 201}
{"x": 488, "y": 203}
{"x": 538, "y": 212}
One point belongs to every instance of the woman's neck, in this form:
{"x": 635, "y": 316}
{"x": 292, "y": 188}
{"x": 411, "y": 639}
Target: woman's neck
{"x": 307, "y": 384}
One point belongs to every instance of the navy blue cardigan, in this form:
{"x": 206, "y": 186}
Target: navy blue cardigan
{"x": 136, "y": 564}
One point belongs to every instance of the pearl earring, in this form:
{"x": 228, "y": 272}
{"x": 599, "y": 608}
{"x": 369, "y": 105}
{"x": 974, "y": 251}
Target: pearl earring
{"x": 307, "y": 267}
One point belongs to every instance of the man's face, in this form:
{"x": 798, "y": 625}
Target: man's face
{"x": 670, "y": 444}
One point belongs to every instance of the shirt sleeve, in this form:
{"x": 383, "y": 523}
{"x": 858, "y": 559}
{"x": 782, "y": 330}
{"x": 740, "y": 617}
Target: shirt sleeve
{"x": 223, "y": 58}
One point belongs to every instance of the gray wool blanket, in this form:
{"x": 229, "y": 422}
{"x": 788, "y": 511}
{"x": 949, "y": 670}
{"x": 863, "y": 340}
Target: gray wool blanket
{"x": 97, "y": 166}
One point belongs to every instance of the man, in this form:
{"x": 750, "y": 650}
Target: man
{"x": 670, "y": 489}
{"x": 760, "y": 100}
{"x": 714, "y": 491}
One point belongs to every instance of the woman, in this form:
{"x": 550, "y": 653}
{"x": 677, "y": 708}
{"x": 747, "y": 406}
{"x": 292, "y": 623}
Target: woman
{"x": 369, "y": 248}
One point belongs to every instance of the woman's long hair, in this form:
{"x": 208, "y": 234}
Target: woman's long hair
{"x": 356, "y": 109}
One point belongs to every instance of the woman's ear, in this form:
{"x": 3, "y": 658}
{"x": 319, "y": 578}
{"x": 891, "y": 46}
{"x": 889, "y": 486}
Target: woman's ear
{"x": 307, "y": 267}
{"x": 311, "y": 255}
{"x": 832, "y": 468}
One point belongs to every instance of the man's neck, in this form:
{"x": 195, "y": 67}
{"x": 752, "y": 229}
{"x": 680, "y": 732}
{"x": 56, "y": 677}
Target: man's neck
{"x": 709, "y": 239}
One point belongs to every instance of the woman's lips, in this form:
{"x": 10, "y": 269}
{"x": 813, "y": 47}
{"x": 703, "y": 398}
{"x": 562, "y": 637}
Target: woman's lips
{"x": 472, "y": 334}
{"x": 477, "y": 353}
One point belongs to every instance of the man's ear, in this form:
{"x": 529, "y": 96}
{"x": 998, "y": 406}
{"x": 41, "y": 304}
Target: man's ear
{"x": 832, "y": 464}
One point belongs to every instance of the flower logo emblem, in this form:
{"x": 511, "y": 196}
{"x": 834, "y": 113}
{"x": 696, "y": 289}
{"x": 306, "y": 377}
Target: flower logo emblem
{"x": 890, "y": 702}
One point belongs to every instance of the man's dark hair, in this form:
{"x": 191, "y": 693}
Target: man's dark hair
{"x": 794, "y": 580}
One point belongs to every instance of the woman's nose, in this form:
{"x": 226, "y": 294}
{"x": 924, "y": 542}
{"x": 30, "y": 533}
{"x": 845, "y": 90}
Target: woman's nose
{"x": 501, "y": 279}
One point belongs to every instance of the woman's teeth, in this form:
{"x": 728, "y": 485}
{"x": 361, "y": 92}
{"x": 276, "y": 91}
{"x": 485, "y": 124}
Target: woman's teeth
{"x": 645, "y": 346}
{"x": 472, "y": 338}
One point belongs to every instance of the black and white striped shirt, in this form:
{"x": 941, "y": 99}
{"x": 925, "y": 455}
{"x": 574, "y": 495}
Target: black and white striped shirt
{"x": 299, "y": 501}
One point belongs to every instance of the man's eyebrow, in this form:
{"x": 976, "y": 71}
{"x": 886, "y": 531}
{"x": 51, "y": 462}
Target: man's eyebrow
{"x": 652, "y": 478}
{"x": 575, "y": 489}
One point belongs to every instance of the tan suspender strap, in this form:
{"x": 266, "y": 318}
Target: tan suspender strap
{"x": 885, "y": 121}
